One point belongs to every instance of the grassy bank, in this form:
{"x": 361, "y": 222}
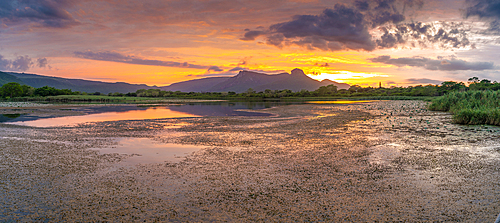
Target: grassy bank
{"x": 470, "y": 107}
{"x": 144, "y": 100}
{"x": 100, "y": 99}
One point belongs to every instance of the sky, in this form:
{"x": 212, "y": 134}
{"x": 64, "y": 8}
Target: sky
{"x": 160, "y": 42}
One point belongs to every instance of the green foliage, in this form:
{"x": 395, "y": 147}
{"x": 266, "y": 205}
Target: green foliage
{"x": 11, "y": 90}
{"x": 471, "y": 107}
{"x": 51, "y": 91}
{"x": 329, "y": 90}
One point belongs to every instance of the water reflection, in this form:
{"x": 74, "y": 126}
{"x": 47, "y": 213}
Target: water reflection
{"x": 145, "y": 150}
{"x": 133, "y": 112}
{"x": 338, "y": 102}
{"x": 152, "y": 113}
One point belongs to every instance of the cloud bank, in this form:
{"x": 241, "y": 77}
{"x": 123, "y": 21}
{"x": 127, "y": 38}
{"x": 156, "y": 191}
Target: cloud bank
{"x": 441, "y": 64}
{"x": 120, "y": 58}
{"x": 351, "y": 28}
{"x": 45, "y": 13}
{"x": 22, "y": 63}
{"x": 488, "y": 10}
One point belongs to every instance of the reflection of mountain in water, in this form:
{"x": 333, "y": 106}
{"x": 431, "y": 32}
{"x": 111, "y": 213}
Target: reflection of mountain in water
{"x": 19, "y": 117}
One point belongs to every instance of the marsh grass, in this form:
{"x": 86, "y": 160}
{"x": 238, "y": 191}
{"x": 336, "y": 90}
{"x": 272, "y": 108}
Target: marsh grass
{"x": 470, "y": 107}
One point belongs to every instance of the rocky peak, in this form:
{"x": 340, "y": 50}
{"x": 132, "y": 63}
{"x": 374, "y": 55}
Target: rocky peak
{"x": 297, "y": 72}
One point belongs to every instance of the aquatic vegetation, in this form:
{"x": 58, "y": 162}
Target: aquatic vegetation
{"x": 470, "y": 107}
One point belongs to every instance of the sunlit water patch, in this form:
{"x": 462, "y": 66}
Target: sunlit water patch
{"x": 145, "y": 150}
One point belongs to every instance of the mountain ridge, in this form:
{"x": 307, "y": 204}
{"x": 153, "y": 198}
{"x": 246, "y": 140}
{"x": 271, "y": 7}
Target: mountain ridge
{"x": 244, "y": 80}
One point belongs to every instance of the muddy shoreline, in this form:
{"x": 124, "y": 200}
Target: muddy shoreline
{"x": 382, "y": 161}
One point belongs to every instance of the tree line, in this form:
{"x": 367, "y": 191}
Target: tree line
{"x": 11, "y": 90}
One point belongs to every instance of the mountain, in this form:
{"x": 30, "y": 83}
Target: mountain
{"x": 38, "y": 81}
{"x": 295, "y": 81}
{"x": 198, "y": 85}
{"x": 327, "y": 82}
{"x": 244, "y": 80}
{"x": 7, "y": 78}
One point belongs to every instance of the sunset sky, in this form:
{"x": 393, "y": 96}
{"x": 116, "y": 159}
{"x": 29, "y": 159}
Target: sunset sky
{"x": 160, "y": 42}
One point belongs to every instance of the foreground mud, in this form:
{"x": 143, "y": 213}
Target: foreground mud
{"x": 381, "y": 161}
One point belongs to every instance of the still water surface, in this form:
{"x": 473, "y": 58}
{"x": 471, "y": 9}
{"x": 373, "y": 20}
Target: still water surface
{"x": 132, "y": 112}
{"x": 145, "y": 150}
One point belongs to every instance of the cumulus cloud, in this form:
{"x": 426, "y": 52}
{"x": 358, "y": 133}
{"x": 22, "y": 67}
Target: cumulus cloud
{"x": 42, "y": 62}
{"x": 21, "y": 63}
{"x": 334, "y": 29}
{"x": 46, "y": 13}
{"x": 417, "y": 34}
{"x": 120, "y": 58}
{"x": 443, "y": 64}
{"x": 351, "y": 27}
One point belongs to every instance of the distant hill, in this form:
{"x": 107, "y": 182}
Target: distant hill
{"x": 295, "y": 81}
{"x": 7, "y": 78}
{"x": 244, "y": 80}
{"x": 37, "y": 81}
{"x": 198, "y": 85}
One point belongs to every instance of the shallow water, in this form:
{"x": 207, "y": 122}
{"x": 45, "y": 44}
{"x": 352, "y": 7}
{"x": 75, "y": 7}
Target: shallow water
{"x": 152, "y": 113}
{"x": 385, "y": 161}
{"x": 147, "y": 151}
{"x": 132, "y": 112}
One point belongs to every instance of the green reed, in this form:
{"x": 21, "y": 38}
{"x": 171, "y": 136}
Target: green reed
{"x": 470, "y": 107}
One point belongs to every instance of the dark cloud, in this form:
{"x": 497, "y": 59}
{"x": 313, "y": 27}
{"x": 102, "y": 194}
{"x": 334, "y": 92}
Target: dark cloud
{"x": 120, "y": 58}
{"x": 343, "y": 26}
{"x": 251, "y": 35}
{"x": 215, "y": 68}
{"x": 483, "y": 8}
{"x": 346, "y": 27}
{"x": 486, "y": 10}
{"x": 21, "y": 63}
{"x": 443, "y": 64}
{"x": 322, "y": 65}
{"x": 46, "y": 13}
{"x": 362, "y": 5}
{"x": 42, "y": 62}
{"x": 237, "y": 69}
{"x": 422, "y": 81}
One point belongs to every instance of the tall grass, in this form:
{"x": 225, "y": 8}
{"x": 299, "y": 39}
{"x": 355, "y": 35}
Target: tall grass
{"x": 470, "y": 107}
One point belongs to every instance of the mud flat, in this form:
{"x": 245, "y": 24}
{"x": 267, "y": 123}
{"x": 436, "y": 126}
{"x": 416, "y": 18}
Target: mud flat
{"x": 380, "y": 161}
